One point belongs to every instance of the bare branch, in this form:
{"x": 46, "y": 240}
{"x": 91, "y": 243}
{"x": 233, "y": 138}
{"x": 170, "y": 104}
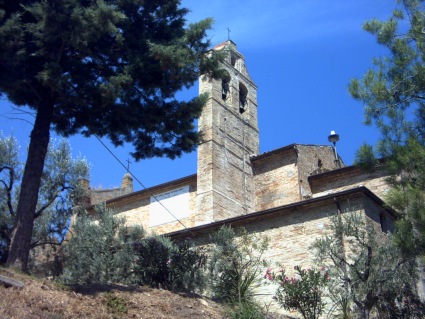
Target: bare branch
{"x": 8, "y": 188}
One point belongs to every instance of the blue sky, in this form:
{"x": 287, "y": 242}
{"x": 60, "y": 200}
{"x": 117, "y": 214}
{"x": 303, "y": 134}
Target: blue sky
{"x": 300, "y": 53}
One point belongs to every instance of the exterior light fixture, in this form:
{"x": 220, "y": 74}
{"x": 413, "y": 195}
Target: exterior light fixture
{"x": 333, "y": 138}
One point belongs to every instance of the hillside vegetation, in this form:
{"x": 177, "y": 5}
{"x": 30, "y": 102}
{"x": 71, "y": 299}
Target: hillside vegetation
{"x": 40, "y": 299}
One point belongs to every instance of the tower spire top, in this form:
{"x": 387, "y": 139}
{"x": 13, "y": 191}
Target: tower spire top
{"x": 128, "y": 165}
{"x": 228, "y": 33}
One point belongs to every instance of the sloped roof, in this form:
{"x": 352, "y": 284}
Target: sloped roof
{"x": 272, "y": 212}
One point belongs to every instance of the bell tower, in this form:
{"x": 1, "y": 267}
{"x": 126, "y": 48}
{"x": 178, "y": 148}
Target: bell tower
{"x": 229, "y": 126}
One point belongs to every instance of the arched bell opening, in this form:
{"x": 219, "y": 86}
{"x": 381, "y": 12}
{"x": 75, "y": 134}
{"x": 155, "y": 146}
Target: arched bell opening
{"x": 243, "y": 98}
{"x": 225, "y": 86}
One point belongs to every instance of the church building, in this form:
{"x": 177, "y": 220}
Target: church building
{"x": 287, "y": 194}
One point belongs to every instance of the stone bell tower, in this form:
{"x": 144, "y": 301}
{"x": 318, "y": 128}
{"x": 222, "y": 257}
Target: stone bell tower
{"x": 229, "y": 125}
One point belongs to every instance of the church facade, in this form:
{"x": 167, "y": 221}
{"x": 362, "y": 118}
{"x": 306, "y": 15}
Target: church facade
{"x": 288, "y": 194}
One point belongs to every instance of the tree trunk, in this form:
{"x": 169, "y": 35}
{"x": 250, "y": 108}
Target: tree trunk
{"x": 421, "y": 280}
{"x": 420, "y": 284}
{"x": 28, "y": 196}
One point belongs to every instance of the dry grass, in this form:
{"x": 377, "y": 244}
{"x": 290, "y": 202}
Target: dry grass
{"x": 40, "y": 299}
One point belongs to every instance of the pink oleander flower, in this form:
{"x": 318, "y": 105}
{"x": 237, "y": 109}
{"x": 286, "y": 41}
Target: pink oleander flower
{"x": 268, "y": 275}
{"x": 285, "y": 281}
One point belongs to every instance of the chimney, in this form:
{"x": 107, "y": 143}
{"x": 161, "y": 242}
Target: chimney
{"x": 85, "y": 199}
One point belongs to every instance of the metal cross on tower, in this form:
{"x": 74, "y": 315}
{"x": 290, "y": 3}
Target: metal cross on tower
{"x": 128, "y": 165}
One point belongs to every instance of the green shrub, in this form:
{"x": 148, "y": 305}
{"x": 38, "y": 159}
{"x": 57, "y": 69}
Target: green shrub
{"x": 236, "y": 264}
{"x": 303, "y": 293}
{"x": 100, "y": 249}
{"x": 161, "y": 263}
{"x": 245, "y": 310}
{"x": 116, "y": 305}
{"x": 375, "y": 277}
{"x": 103, "y": 250}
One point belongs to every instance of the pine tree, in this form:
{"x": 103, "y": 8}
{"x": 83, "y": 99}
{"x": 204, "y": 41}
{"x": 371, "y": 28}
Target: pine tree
{"x": 393, "y": 93}
{"x": 106, "y": 68}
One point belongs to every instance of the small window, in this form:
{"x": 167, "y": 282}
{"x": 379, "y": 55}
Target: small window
{"x": 243, "y": 98}
{"x": 225, "y": 87}
{"x": 233, "y": 59}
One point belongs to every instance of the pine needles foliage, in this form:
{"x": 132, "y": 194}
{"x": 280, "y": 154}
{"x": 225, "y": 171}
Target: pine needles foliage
{"x": 393, "y": 93}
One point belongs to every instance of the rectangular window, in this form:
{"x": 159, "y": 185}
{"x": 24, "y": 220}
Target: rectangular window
{"x": 169, "y": 206}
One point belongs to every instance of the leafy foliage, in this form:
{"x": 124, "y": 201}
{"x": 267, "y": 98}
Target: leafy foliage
{"x": 100, "y": 249}
{"x": 365, "y": 157}
{"x": 304, "y": 292}
{"x": 366, "y": 267}
{"x": 9, "y": 169}
{"x": 245, "y": 310}
{"x": 236, "y": 263}
{"x": 393, "y": 91}
{"x": 116, "y": 305}
{"x": 60, "y": 189}
{"x": 161, "y": 263}
{"x": 105, "y": 68}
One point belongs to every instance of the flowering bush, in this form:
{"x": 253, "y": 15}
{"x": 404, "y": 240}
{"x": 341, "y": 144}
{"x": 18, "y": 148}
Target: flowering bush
{"x": 303, "y": 292}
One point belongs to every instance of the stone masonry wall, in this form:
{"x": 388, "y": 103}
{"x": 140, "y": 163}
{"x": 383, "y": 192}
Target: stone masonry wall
{"x": 311, "y": 159}
{"x": 137, "y": 210}
{"x": 281, "y": 176}
{"x": 347, "y": 178}
{"x": 276, "y": 180}
{"x": 291, "y": 233}
{"x": 225, "y": 183}
{"x": 102, "y": 195}
{"x": 382, "y": 220}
